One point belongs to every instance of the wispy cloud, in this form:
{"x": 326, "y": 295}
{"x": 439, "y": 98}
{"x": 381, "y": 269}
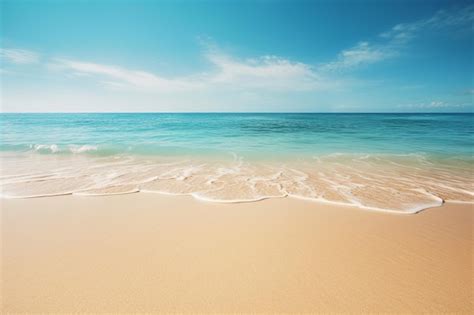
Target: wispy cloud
{"x": 119, "y": 77}
{"x": 19, "y": 56}
{"x": 261, "y": 73}
{"x": 265, "y": 72}
{"x": 360, "y": 54}
{"x": 442, "y": 19}
{"x": 391, "y": 42}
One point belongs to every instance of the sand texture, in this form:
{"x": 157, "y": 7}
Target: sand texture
{"x": 150, "y": 253}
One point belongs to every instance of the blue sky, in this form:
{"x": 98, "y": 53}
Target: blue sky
{"x": 264, "y": 56}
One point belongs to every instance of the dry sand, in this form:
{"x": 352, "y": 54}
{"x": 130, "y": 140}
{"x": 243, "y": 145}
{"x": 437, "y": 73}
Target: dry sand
{"x": 146, "y": 253}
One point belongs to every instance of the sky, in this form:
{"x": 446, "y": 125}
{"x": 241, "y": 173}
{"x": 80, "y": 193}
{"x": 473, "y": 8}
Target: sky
{"x": 236, "y": 56}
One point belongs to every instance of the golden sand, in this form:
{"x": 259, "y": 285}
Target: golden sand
{"x": 147, "y": 253}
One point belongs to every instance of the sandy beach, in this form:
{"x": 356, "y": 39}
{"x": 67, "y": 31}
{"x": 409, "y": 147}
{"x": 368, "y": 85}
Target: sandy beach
{"x": 236, "y": 157}
{"x": 150, "y": 253}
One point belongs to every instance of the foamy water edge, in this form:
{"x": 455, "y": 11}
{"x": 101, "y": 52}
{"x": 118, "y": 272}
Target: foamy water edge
{"x": 357, "y": 181}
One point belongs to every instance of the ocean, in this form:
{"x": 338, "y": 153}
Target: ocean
{"x": 385, "y": 162}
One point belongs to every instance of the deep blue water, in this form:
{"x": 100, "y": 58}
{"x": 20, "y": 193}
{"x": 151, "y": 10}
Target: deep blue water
{"x": 263, "y": 135}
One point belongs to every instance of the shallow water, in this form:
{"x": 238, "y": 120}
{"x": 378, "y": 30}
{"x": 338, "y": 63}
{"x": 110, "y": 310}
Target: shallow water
{"x": 386, "y": 162}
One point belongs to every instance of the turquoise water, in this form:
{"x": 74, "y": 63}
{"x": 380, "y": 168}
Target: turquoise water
{"x": 247, "y": 135}
{"x": 400, "y": 163}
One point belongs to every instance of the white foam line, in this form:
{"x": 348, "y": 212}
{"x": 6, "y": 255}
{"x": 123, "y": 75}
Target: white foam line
{"x": 163, "y": 192}
{"x": 235, "y": 200}
{"x": 414, "y": 210}
{"x": 84, "y": 194}
{"x": 36, "y": 196}
{"x": 359, "y": 206}
{"x": 201, "y": 198}
{"x": 317, "y": 200}
{"x": 460, "y": 201}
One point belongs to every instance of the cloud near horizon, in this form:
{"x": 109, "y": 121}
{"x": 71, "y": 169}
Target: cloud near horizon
{"x": 433, "y": 105}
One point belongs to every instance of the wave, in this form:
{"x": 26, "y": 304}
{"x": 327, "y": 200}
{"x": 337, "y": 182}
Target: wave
{"x": 379, "y": 183}
{"x": 54, "y": 148}
{"x": 82, "y": 148}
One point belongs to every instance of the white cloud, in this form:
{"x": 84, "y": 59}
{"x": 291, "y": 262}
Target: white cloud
{"x": 437, "y": 104}
{"x": 119, "y": 77}
{"x": 360, "y": 54}
{"x": 266, "y": 72}
{"x": 19, "y": 56}
{"x": 262, "y": 73}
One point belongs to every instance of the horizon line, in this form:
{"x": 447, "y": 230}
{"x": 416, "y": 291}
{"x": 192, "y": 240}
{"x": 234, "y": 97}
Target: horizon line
{"x": 217, "y": 112}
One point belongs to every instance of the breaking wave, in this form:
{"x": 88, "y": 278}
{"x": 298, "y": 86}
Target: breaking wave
{"x": 54, "y": 148}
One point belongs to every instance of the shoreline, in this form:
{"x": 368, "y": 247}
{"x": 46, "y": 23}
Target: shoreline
{"x": 320, "y": 202}
{"x": 153, "y": 253}
{"x": 364, "y": 182}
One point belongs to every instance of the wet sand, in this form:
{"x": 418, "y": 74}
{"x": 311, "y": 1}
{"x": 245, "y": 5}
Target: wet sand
{"x": 149, "y": 253}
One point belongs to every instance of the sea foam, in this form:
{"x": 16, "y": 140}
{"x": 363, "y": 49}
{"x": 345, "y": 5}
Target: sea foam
{"x": 381, "y": 183}
{"x": 70, "y": 148}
